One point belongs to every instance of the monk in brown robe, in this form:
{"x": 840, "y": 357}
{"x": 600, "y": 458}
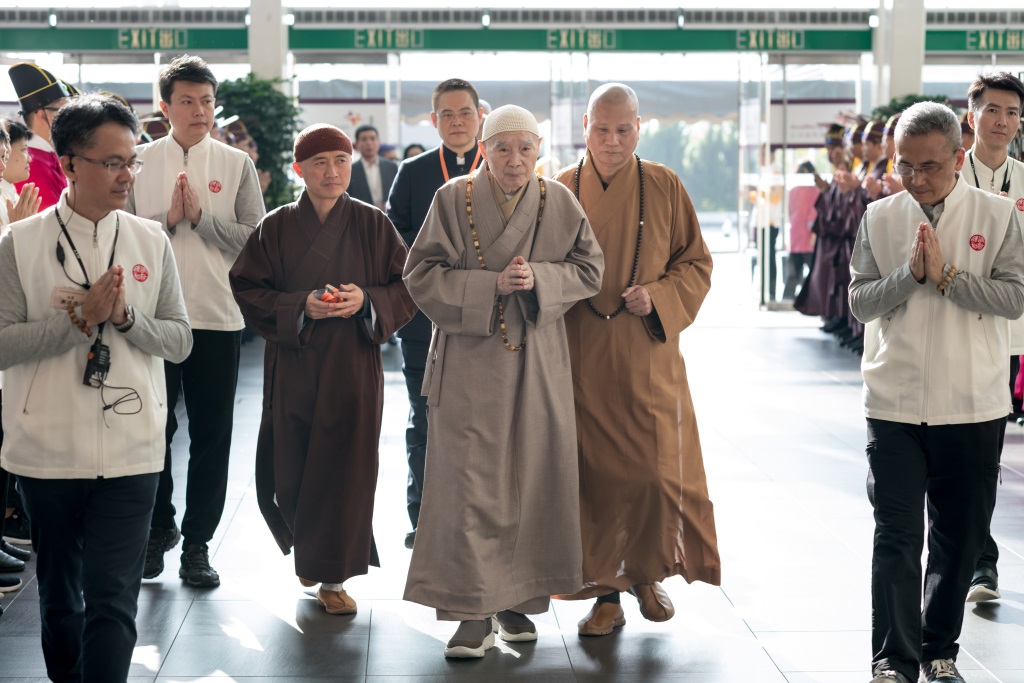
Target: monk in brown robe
{"x": 645, "y": 511}
{"x": 323, "y": 390}
{"x": 501, "y": 257}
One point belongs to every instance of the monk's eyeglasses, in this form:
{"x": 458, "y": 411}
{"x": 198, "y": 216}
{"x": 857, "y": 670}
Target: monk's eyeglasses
{"x": 926, "y": 170}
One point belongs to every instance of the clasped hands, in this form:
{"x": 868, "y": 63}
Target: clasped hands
{"x": 926, "y": 255}
{"x": 351, "y": 303}
{"x": 517, "y": 276}
{"x": 184, "y": 203}
{"x": 27, "y": 204}
{"x": 105, "y": 299}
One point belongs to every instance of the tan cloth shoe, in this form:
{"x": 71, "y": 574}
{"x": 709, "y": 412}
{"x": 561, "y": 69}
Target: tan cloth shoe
{"x": 306, "y": 583}
{"x": 655, "y": 604}
{"x": 603, "y": 618}
{"x": 336, "y": 602}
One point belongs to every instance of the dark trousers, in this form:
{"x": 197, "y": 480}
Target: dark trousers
{"x": 990, "y": 553}
{"x": 207, "y": 378}
{"x": 90, "y": 541}
{"x": 951, "y": 469}
{"x": 5, "y": 478}
{"x": 414, "y": 360}
{"x": 795, "y": 265}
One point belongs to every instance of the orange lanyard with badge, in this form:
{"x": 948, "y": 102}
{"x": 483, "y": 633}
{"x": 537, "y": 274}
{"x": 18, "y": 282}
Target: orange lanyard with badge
{"x": 444, "y": 166}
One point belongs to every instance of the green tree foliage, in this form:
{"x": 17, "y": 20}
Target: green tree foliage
{"x": 703, "y": 155}
{"x": 898, "y": 104}
{"x": 273, "y": 121}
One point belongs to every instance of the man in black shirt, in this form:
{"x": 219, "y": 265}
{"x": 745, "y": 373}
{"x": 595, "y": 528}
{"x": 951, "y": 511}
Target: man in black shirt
{"x": 456, "y": 113}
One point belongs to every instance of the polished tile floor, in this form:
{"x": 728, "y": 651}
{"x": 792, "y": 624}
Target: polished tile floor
{"x": 779, "y": 410}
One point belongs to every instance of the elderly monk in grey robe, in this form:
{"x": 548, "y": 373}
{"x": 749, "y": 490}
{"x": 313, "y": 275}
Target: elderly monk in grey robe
{"x": 646, "y": 513}
{"x": 501, "y": 257}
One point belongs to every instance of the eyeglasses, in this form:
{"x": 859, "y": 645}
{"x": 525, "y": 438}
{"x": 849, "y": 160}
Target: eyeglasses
{"x": 926, "y": 170}
{"x": 465, "y": 115}
{"x": 53, "y": 109}
{"x": 114, "y": 167}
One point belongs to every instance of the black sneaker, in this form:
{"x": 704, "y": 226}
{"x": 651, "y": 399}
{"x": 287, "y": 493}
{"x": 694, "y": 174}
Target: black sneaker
{"x": 17, "y": 529}
{"x": 195, "y": 567}
{"x": 940, "y": 671}
{"x": 160, "y": 541}
{"x": 23, "y": 554}
{"x": 884, "y": 673}
{"x": 9, "y": 583}
{"x": 984, "y": 586}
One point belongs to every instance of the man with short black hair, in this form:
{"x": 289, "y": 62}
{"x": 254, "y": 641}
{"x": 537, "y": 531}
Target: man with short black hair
{"x": 936, "y": 272}
{"x": 82, "y": 334}
{"x": 207, "y": 197}
{"x": 372, "y": 175}
{"x": 456, "y": 113}
{"x": 994, "y": 108}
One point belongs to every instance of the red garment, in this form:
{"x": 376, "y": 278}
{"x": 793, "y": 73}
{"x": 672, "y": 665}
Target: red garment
{"x": 802, "y": 215}
{"x": 44, "y": 171}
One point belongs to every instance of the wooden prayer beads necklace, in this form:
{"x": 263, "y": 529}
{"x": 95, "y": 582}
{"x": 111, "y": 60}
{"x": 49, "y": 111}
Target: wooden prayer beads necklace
{"x": 480, "y": 255}
{"x": 639, "y": 238}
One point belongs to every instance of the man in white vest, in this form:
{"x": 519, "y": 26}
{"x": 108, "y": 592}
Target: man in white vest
{"x": 994, "y": 104}
{"x": 206, "y": 195}
{"x": 90, "y": 306}
{"x": 937, "y": 271}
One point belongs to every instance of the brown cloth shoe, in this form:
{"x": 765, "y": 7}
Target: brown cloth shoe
{"x": 306, "y": 583}
{"x": 654, "y": 601}
{"x": 336, "y": 602}
{"x": 603, "y": 618}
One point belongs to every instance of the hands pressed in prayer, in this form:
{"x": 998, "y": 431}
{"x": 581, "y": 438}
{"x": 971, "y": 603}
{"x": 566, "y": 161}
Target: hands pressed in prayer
{"x": 103, "y": 297}
{"x": 873, "y": 186}
{"x": 892, "y": 183}
{"x": 933, "y": 263}
{"x": 517, "y": 276}
{"x": 27, "y": 205}
{"x": 351, "y": 302}
{"x": 848, "y": 182}
{"x": 176, "y": 213}
{"x": 193, "y": 211}
{"x": 638, "y": 300}
{"x": 917, "y": 249}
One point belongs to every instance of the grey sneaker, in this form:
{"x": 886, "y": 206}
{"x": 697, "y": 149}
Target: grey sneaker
{"x": 941, "y": 671}
{"x": 885, "y": 674}
{"x": 515, "y": 627}
{"x": 471, "y": 639}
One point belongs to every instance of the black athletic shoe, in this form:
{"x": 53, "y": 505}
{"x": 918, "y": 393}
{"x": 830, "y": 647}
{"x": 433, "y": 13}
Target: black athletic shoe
{"x": 17, "y": 529}
{"x": 984, "y": 586}
{"x": 160, "y": 541}
{"x": 195, "y": 567}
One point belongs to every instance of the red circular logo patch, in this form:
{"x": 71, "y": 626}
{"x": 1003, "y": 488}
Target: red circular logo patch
{"x": 1020, "y": 204}
{"x": 215, "y": 186}
{"x": 977, "y": 242}
{"x": 140, "y": 273}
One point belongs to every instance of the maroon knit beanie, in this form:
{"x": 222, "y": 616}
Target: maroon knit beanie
{"x": 319, "y": 138}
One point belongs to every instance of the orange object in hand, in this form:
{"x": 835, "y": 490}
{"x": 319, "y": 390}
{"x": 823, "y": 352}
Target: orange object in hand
{"x": 329, "y": 294}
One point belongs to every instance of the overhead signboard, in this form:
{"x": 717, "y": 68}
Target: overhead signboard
{"x": 131, "y": 39}
{"x": 979, "y": 40}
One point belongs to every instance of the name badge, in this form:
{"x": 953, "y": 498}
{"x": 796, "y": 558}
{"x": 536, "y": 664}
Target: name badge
{"x": 63, "y": 297}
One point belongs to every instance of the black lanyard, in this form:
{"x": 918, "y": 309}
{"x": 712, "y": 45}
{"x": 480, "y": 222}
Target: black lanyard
{"x": 1006, "y": 173}
{"x": 74, "y": 250}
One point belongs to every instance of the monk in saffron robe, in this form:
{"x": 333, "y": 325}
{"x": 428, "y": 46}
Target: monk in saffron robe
{"x": 501, "y": 257}
{"x": 645, "y": 510}
{"x": 323, "y": 392}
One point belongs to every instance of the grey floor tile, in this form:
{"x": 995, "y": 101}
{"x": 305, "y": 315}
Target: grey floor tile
{"x": 661, "y": 654}
{"x": 422, "y": 654}
{"x": 268, "y": 655}
{"x": 240, "y": 617}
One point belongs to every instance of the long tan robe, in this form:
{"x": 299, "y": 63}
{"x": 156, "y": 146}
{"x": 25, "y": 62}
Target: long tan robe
{"x": 499, "y": 526}
{"x": 645, "y": 510}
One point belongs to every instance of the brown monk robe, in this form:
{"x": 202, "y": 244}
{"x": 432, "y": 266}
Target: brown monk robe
{"x": 645, "y": 510}
{"x": 323, "y": 379}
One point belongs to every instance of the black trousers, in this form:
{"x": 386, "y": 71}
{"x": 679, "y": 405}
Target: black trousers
{"x": 414, "y": 361}
{"x": 795, "y": 265}
{"x": 951, "y": 469}
{"x": 90, "y": 541}
{"x": 208, "y": 378}
{"x": 990, "y": 553}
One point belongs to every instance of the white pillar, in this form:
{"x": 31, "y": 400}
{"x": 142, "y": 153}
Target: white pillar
{"x": 268, "y": 39}
{"x": 898, "y": 49}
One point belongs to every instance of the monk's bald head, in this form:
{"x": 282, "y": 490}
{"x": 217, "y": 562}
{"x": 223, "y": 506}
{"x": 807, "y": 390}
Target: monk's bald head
{"x": 614, "y": 94}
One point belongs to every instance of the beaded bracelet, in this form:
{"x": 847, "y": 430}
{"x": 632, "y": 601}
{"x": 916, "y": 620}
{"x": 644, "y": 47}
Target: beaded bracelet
{"x": 949, "y": 277}
{"x": 80, "y": 324}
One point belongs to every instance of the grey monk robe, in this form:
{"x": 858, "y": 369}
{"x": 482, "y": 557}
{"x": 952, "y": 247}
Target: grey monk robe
{"x": 323, "y": 388}
{"x": 499, "y": 527}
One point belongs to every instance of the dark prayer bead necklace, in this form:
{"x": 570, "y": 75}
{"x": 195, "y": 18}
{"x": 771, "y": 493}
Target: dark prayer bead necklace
{"x": 483, "y": 266}
{"x": 639, "y": 238}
